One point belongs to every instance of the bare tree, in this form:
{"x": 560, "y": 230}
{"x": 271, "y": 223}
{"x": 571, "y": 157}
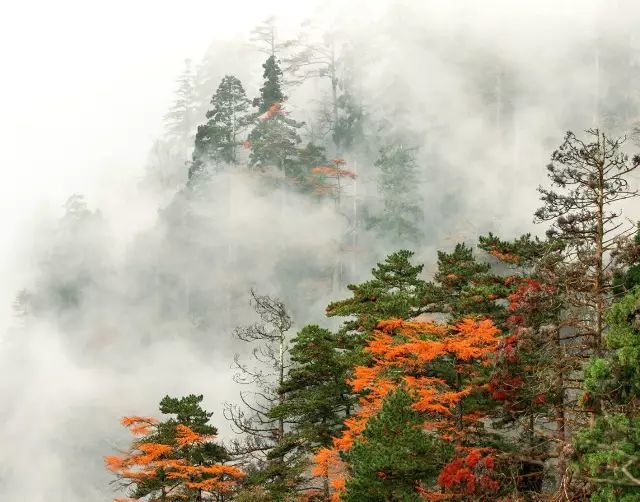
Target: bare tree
{"x": 262, "y": 434}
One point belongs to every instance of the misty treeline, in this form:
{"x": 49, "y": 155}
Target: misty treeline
{"x": 510, "y": 374}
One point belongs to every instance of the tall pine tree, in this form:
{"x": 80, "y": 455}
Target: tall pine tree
{"x": 217, "y": 140}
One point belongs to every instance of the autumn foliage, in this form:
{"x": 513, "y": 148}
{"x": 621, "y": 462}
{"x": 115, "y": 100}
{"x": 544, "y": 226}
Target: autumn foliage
{"x": 170, "y": 466}
{"x": 407, "y": 354}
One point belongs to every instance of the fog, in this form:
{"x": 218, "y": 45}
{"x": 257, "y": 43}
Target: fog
{"x": 483, "y": 90}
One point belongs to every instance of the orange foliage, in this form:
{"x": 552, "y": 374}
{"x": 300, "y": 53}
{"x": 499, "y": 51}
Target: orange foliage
{"x": 402, "y": 352}
{"x": 145, "y": 458}
{"x": 333, "y": 172}
{"x": 274, "y": 109}
{"x": 505, "y": 257}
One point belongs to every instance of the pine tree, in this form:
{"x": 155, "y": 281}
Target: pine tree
{"x": 589, "y": 180}
{"x": 394, "y": 292}
{"x": 463, "y": 286}
{"x": 607, "y": 453}
{"x": 217, "y": 139}
{"x": 399, "y": 191}
{"x": 175, "y": 459}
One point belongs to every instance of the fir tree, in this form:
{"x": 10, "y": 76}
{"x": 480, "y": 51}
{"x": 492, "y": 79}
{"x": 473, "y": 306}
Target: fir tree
{"x": 180, "y": 119}
{"x": 271, "y": 91}
{"x": 318, "y": 397}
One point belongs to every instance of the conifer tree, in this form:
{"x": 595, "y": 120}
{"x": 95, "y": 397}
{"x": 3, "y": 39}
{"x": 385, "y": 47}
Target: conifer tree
{"x": 180, "y": 119}
{"x": 217, "y": 140}
{"x": 589, "y": 178}
{"x": 463, "y": 286}
{"x": 175, "y": 459}
{"x": 394, "y": 454}
{"x": 607, "y": 453}
{"x": 399, "y": 191}
{"x": 318, "y": 397}
{"x": 274, "y": 138}
{"x": 394, "y": 292}
{"x": 439, "y": 367}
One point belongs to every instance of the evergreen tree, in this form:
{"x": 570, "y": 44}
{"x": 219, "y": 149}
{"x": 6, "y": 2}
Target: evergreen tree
{"x": 174, "y": 459}
{"x": 588, "y": 180}
{"x": 274, "y": 138}
{"x": 607, "y": 453}
{"x": 271, "y": 91}
{"x": 398, "y": 188}
{"x": 180, "y": 119}
{"x": 462, "y": 286}
{"x": 627, "y": 258}
{"x": 394, "y": 454}
{"x": 318, "y": 397}
{"x": 394, "y": 292}
{"x": 217, "y": 139}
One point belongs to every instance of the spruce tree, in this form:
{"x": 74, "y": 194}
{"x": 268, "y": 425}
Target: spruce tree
{"x": 271, "y": 91}
{"x": 318, "y": 396}
{"x": 180, "y": 119}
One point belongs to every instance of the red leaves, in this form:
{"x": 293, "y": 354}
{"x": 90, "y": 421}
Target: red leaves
{"x": 471, "y": 474}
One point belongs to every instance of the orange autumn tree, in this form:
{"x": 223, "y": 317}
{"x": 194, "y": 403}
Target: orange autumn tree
{"x": 335, "y": 172}
{"x": 176, "y": 459}
{"x": 442, "y": 368}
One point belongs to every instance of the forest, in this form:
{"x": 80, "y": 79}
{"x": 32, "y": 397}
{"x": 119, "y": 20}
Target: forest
{"x": 328, "y": 307}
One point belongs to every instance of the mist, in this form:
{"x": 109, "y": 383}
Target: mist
{"x": 482, "y": 91}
